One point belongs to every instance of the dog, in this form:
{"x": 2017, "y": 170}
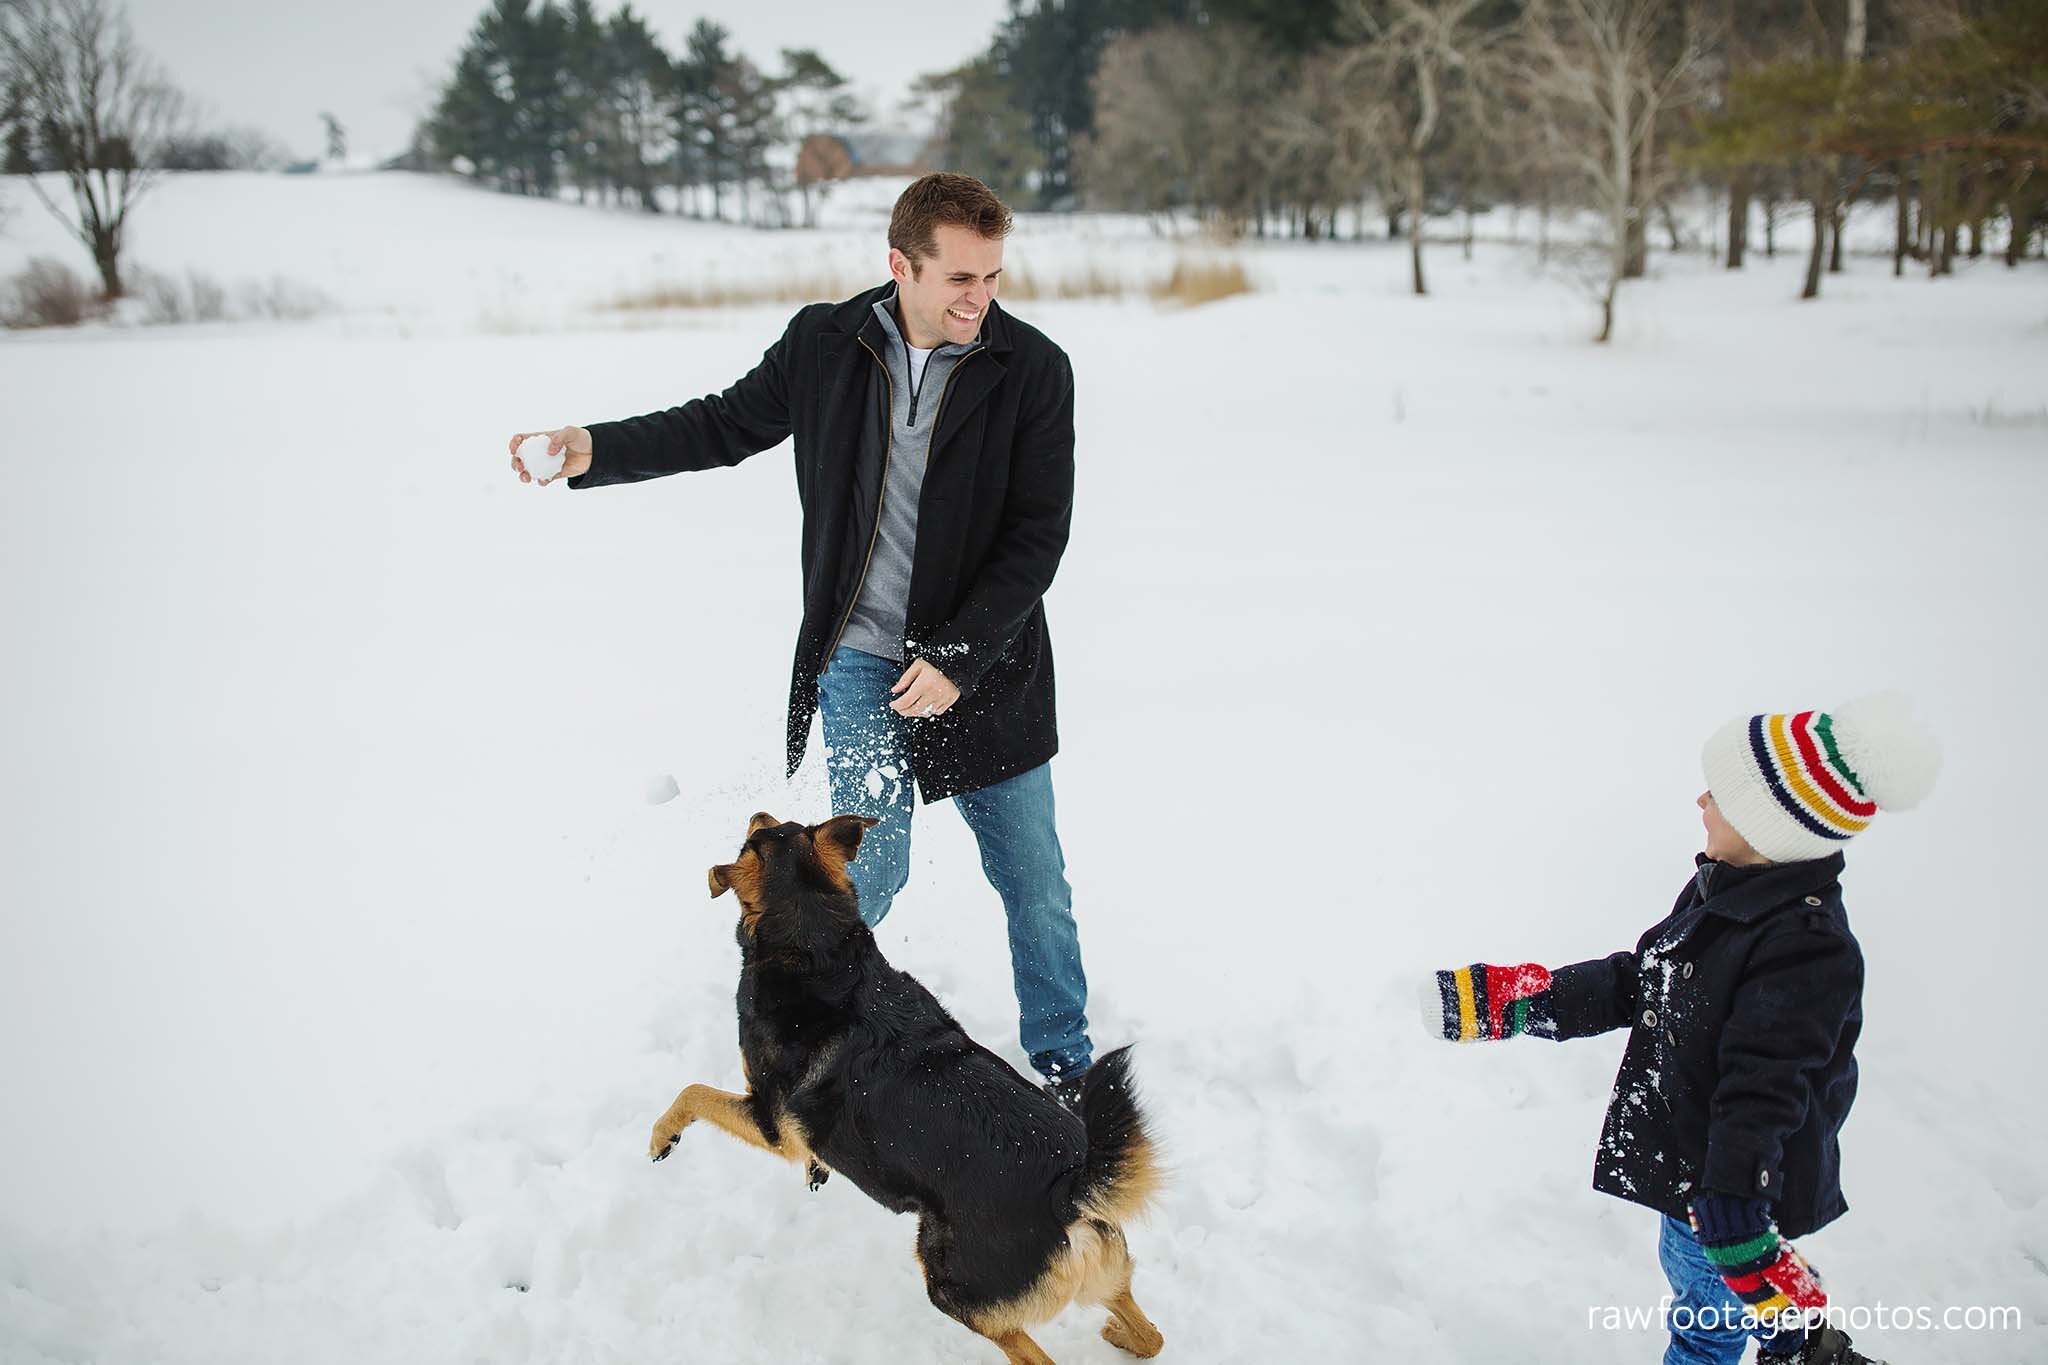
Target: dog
{"x": 854, "y": 1067}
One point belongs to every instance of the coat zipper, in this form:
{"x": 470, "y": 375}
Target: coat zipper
{"x": 888, "y": 449}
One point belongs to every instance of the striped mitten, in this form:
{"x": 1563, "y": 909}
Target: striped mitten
{"x": 1761, "y": 1267}
{"x": 1483, "y": 1002}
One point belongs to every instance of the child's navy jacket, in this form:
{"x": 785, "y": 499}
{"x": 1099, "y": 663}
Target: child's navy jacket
{"x": 1743, "y": 1008}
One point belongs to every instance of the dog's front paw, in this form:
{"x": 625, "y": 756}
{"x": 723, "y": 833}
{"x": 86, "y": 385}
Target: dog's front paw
{"x": 817, "y": 1175}
{"x": 663, "y": 1142}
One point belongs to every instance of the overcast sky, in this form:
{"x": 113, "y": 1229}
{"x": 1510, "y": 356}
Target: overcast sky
{"x": 376, "y": 64}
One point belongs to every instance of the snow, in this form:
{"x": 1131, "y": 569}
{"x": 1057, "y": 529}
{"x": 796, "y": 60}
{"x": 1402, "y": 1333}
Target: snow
{"x": 533, "y": 452}
{"x": 343, "y": 981}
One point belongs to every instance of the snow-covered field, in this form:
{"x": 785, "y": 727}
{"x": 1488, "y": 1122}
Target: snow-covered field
{"x": 344, "y": 962}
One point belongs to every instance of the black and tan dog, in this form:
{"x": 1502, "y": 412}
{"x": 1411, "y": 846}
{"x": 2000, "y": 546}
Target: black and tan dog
{"x": 854, "y": 1067}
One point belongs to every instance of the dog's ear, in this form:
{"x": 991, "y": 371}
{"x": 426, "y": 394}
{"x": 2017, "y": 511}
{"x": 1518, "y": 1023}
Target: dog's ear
{"x": 762, "y": 820}
{"x": 838, "y": 840}
{"x": 721, "y": 880}
{"x": 844, "y": 831}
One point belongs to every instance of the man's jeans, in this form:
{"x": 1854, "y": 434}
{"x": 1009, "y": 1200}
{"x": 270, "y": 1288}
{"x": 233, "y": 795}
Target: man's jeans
{"x": 868, "y": 764}
{"x": 1706, "y": 1316}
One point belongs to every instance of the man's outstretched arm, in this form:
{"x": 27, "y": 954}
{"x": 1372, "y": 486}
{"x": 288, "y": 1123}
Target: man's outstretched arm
{"x": 718, "y": 429}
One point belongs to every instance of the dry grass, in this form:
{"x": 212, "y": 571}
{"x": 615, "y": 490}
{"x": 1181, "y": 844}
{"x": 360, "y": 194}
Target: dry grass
{"x": 1193, "y": 281}
{"x": 167, "y": 301}
{"x": 48, "y": 293}
{"x": 1091, "y": 282}
{"x": 200, "y": 298}
{"x": 754, "y": 294}
{"x": 278, "y": 297}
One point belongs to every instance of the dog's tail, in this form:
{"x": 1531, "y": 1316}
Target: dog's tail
{"x": 1123, "y": 1172}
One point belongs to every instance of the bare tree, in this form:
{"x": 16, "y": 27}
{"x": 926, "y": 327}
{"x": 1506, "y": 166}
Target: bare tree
{"x": 337, "y": 138}
{"x": 1321, "y": 128}
{"x": 1599, "y": 88}
{"x": 1427, "y": 59}
{"x": 1169, "y": 123}
{"x": 99, "y": 111}
{"x": 819, "y": 110}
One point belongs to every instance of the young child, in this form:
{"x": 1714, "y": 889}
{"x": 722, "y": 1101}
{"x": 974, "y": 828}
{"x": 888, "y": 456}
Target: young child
{"x": 1743, "y": 1007}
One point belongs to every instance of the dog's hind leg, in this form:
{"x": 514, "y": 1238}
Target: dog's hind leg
{"x": 933, "y": 1253}
{"x": 722, "y": 1109}
{"x": 1128, "y": 1329}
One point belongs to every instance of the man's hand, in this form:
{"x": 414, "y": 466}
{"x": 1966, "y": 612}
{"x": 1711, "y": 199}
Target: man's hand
{"x": 923, "y": 691}
{"x": 575, "y": 441}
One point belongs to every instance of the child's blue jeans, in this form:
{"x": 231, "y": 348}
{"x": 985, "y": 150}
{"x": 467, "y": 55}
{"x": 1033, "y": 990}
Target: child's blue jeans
{"x": 868, "y": 766}
{"x": 1706, "y": 1316}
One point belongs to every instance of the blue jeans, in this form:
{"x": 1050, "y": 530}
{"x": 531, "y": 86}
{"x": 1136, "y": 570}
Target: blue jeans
{"x": 868, "y": 767}
{"x": 1706, "y": 1315}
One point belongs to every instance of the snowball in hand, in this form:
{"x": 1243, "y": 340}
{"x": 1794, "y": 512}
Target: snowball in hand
{"x": 533, "y": 453}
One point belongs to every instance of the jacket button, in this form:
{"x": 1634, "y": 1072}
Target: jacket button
{"x": 1687, "y": 973}
{"x": 1813, "y": 900}
{"x": 1670, "y": 1037}
{"x": 1650, "y": 1018}
{"x": 1763, "y": 1180}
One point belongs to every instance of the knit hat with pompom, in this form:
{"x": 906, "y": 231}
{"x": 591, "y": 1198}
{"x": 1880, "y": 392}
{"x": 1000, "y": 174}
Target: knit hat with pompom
{"x": 1801, "y": 784}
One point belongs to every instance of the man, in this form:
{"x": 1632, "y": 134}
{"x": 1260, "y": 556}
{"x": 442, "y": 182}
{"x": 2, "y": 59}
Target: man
{"x": 935, "y": 468}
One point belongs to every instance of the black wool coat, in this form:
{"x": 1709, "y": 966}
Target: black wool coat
{"x": 992, "y": 518}
{"x": 1743, "y": 1007}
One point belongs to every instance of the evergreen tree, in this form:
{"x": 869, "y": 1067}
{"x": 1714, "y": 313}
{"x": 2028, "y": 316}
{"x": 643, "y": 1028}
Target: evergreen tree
{"x": 982, "y": 132}
{"x": 593, "y": 137}
{"x": 816, "y": 104}
{"x": 704, "y": 84}
{"x": 636, "y": 97}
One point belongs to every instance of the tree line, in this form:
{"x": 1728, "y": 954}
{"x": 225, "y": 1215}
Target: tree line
{"x": 1293, "y": 115}
{"x": 1254, "y": 116}
{"x": 550, "y": 98}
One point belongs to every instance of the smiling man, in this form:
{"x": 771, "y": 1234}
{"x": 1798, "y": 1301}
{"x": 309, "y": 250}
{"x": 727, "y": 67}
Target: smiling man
{"x": 935, "y": 467}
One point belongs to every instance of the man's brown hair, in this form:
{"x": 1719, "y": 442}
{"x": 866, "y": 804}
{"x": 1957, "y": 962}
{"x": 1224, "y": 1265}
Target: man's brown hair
{"x": 943, "y": 198}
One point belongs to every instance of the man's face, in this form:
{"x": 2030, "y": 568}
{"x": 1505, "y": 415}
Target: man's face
{"x": 945, "y": 298}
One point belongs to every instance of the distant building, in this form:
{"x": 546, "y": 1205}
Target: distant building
{"x": 882, "y": 152}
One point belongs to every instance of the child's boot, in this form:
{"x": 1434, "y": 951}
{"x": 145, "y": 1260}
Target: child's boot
{"x": 1827, "y": 1346}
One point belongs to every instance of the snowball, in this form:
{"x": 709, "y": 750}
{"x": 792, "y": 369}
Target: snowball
{"x": 533, "y": 453}
{"x": 662, "y": 789}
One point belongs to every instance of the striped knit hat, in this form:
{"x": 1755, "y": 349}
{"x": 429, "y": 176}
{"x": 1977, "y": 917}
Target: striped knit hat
{"x": 1800, "y": 785}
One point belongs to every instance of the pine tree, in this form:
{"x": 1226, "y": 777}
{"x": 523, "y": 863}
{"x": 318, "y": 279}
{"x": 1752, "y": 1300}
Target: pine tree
{"x": 816, "y": 104}
{"x": 592, "y": 135}
{"x": 704, "y": 86}
{"x": 637, "y": 95}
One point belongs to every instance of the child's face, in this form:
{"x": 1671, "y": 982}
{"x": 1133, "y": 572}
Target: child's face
{"x": 1724, "y": 845}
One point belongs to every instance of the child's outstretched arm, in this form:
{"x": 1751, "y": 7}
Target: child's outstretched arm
{"x": 1485, "y": 1003}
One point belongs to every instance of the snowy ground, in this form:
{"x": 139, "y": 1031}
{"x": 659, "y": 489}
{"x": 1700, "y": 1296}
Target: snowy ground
{"x": 347, "y": 963}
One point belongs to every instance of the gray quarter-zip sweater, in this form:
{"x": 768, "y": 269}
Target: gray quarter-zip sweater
{"x": 875, "y": 625}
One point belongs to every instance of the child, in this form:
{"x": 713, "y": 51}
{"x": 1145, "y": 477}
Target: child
{"x": 1743, "y": 1007}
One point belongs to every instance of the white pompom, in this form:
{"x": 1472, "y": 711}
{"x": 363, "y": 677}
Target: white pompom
{"x": 533, "y": 453}
{"x": 1888, "y": 749}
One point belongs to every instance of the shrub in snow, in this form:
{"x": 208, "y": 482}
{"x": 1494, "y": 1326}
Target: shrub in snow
{"x": 201, "y": 298}
{"x": 163, "y": 300}
{"x": 209, "y": 297}
{"x": 47, "y": 293}
{"x": 278, "y": 297}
